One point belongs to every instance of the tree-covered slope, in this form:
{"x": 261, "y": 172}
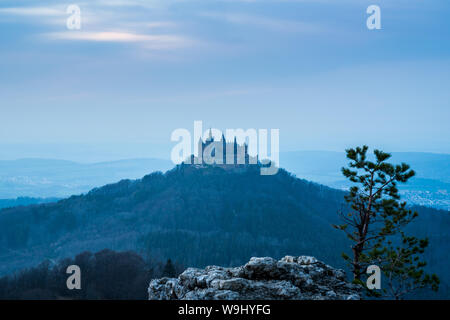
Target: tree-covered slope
{"x": 196, "y": 216}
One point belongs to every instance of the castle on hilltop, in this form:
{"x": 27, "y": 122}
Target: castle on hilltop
{"x": 222, "y": 152}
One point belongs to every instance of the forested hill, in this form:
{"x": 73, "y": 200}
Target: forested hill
{"x": 196, "y": 216}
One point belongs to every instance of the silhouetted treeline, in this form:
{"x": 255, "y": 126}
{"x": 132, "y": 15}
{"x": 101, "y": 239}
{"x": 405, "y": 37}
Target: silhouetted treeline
{"x": 104, "y": 275}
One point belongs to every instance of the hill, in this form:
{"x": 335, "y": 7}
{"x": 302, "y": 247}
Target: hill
{"x": 198, "y": 217}
{"x": 44, "y": 178}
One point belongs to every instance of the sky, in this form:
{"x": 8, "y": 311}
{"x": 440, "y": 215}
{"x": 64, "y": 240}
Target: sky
{"x": 138, "y": 70}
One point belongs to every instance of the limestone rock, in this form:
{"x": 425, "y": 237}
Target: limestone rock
{"x": 298, "y": 278}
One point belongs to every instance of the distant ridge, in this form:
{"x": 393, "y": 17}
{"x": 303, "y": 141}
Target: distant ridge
{"x": 43, "y": 178}
{"x": 24, "y": 201}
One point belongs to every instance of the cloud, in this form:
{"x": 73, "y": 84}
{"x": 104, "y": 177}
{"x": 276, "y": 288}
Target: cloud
{"x": 160, "y": 24}
{"x": 149, "y": 41}
{"x": 266, "y": 23}
{"x": 140, "y": 25}
{"x": 149, "y": 4}
{"x": 33, "y": 11}
{"x": 50, "y": 15}
{"x": 122, "y": 26}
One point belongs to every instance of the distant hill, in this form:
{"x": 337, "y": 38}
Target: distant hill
{"x": 197, "y": 217}
{"x": 430, "y": 186}
{"x": 325, "y": 166}
{"x": 24, "y": 201}
{"x": 43, "y": 178}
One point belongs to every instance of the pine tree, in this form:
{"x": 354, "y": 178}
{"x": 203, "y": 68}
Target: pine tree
{"x": 375, "y": 217}
{"x": 401, "y": 264}
{"x": 374, "y": 201}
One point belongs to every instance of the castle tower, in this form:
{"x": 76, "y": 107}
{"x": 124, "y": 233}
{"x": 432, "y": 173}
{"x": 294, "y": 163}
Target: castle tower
{"x": 224, "y": 150}
{"x": 235, "y": 151}
{"x": 199, "y": 158}
{"x": 247, "y": 157}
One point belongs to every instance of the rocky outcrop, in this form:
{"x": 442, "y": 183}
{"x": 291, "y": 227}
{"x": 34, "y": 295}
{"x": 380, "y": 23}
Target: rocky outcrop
{"x": 297, "y": 278}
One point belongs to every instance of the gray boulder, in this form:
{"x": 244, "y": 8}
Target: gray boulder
{"x": 293, "y": 278}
